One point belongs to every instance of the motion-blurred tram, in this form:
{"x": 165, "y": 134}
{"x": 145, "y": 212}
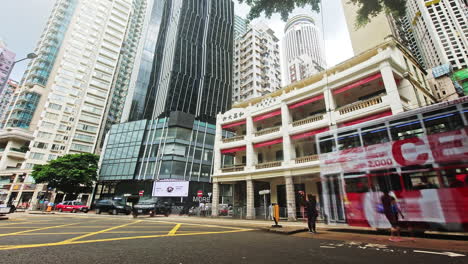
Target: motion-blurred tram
{"x": 419, "y": 156}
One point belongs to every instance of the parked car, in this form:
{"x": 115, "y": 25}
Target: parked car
{"x": 112, "y": 207}
{"x": 72, "y": 206}
{"x": 153, "y": 207}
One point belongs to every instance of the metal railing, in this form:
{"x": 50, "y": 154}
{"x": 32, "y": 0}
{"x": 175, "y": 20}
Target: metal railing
{"x": 360, "y": 105}
{"x": 308, "y": 120}
{"x": 306, "y": 159}
{"x": 234, "y": 168}
{"x": 233, "y": 139}
{"x": 267, "y": 165}
{"x": 267, "y": 131}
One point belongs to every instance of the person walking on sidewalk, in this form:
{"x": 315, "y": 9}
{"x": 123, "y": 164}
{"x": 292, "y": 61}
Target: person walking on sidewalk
{"x": 312, "y": 213}
{"x": 391, "y": 211}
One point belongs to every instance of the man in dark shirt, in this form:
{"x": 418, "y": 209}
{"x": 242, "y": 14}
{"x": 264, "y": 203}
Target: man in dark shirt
{"x": 312, "y": 213}
{"x": 391, "y": 211}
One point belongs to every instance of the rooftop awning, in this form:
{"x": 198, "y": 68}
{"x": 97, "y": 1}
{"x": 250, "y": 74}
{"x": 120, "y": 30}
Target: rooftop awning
{"x": 233, "y": 124}
{"x": 268, "y": 143}
{"x": 358, "y": 83}
{"x": 309, "y": 133}
{"x": 367, "y": 118}
{"x": 267, "y": 115}
{"x": 306, "y": 101}
{"x": 232, "y": 150}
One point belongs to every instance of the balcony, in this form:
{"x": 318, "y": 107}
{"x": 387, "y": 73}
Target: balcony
{"x": 235, "y": 168}
{"x": 267, "y": 131}
{"x": 233, "y": 139}
{"x": 267, "y": 165}
{"x": 361, "y": 105}
{"x": 306, "y": 159}
{"x": 308, "y": 120}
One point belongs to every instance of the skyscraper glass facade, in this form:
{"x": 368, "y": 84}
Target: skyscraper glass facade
{"x": 193, "y": 68}
{"x": 138, "y": 90}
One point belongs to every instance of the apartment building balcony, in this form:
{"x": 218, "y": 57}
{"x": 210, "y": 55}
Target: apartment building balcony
{"x": 267, "y": 131}
{"x": 268, "y": 154}
{"x": 359, "y": 105}
{"x": 365, "y": 97}
{"x": 233, "y": 159}
{"x": 267, "y": 123}
{"x": 307, "y": 112}
{"x": 309, "y": 120}
{"x": 234, "y": 132}
{"x": 268, "y": 165}
{"x": 233, "y": 168}
{"x": 306, "y": 159}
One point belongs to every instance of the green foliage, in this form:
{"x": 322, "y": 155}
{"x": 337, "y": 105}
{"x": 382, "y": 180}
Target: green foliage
{"x": 371, "y": 8}
{"x": 71, "y": 174}
{"x": 367, "y": 8}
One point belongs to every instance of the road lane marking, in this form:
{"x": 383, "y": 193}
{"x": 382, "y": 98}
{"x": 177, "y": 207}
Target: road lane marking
{"x": 100, "y": 232}
{"x": 36, "y": 229}
{"x": 116, "y": 239}
{"x": 174, "y": 230}
{"x": 449, "y": 254}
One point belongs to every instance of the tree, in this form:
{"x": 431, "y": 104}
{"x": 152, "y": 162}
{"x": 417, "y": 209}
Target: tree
{"x": 71, "y": 174}
{"x": 367, "y": 8}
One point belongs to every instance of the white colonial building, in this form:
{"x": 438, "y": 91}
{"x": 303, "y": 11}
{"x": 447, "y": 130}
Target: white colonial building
{"x": 269, "y": 143}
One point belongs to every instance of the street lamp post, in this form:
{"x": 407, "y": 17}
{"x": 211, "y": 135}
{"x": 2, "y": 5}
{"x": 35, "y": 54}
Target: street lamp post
{"x": 30, "y": 56}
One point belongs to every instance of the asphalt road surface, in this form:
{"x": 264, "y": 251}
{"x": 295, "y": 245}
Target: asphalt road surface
{"x": 110, "y": 239}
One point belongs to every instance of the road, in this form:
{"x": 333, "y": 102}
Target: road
{"x": 68, "y": 238}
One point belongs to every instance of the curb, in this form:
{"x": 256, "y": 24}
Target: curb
{"x": 40, "y": 213}
{"x": 284, "y": 231}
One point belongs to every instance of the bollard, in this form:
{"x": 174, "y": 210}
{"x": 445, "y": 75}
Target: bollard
{"x": 276, "y": 215}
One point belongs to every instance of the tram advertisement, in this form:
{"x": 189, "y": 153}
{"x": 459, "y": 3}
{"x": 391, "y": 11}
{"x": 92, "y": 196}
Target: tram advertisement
{"x": 428, "y": 175}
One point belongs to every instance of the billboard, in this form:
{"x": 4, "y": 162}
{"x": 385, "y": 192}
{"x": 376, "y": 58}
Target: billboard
{"x": 170, "y": 188}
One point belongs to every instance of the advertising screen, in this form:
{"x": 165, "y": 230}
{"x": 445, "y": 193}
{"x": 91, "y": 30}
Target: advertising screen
{"x": 170, "y": 188}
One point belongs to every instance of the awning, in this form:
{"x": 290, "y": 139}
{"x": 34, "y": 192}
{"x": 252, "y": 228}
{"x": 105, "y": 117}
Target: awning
{"x": 267, "y": 115}
{"x": 268, "y": 143}
{"x": 309, "y": 133}
{"x": 358, "y": 83}
{"x": 233, "y": 150}
{"x": 233, "y": 124}
{"x": 306, "y": 101}
{"x": 367, "y": 118}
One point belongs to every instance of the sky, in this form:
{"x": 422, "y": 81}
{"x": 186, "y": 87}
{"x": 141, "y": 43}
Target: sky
{"x": 27, "y": 19}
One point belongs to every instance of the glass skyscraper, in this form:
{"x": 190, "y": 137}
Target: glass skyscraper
{"x": 190, "y": 82}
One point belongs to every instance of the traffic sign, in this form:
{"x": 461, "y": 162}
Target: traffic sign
{"x": 200, "y": 193}
{"x": 141, "y": 193}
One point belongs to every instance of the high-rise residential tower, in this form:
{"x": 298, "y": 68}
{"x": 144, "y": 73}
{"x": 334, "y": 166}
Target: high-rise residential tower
{"x": 257, "y": 70}
{"x": 128, "y": 53}
{"x": 6, "y": 97}
{"x": 302, "y": 49}
{"x": 190, "y": 82}
{"x": 7, "y": 60}
{"x": 78, "y": 60}
{"x": 441, "y": 29}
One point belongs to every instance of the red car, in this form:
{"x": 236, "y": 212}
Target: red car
{"x": 72, "y": 206}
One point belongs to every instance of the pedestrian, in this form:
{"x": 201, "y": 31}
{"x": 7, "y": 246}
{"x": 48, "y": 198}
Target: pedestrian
{"x": 392, "y": 211}
{"x": 312, "y": 213}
